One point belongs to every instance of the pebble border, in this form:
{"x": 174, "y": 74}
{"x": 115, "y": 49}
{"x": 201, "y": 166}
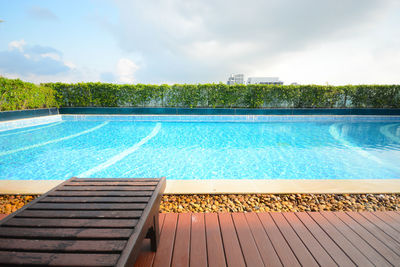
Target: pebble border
{"x": 252, "y": 202}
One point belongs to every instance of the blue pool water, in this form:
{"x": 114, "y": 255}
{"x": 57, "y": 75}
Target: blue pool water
{"x": 337, "y": 148}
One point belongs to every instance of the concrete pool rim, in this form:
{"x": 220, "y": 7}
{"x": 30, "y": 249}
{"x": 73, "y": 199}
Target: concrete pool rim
{"x": 228, "y": 186}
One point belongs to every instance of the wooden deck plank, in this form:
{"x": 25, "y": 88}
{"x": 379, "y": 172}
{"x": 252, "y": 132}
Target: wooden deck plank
{"x": 247, "y": 243}
{"x": 101, "y": 193}
{"x": 387, "y": 220}
{"x": 385, "y": 227}
{"x": 301, "y": 251}
{"x": 167, "y": 238}
{"x": 282, "y": 248}
{"x": 78, "y": 223}
{"x": 377, "y": 244}
{"x": 319, "y": 253}
{"x": 181, "y": 252}
{"x": 66, "y": 233}
{"x": 54, "y": 259}
{"x": 104, "y": 188}
{"x": 146, "y": 257}
{"x": 83, "y": 214}
{"x": 341, "y": 240}
{"x": 215, "y": 249}
{"x": 313, "y": 229}
{"x": 356, "y": 240}
{"x": 77, "y": 246}
{"x": 94, "y": 199}
{"x": 88, "y": 206}
{"x": 198, "y": 245}
{"x": 394, "y": 215}
{"x": 233, "y": 251}
{"x": 385, "y": 238}
{"x": 329, "y": 245}
{"x": 264, "y": 245}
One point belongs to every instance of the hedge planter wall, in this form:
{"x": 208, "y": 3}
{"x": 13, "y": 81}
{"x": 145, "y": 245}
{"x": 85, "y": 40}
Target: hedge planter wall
{"x": 221, "y": 95}
{"x": 17, "y": 95}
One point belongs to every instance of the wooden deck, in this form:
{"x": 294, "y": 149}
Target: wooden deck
{"x": 276, "y": 239}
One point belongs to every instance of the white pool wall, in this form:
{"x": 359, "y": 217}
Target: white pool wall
{"x": 28, "y": 122}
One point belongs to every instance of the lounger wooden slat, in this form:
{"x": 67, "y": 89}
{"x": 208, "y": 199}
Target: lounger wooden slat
{"x": 60, "y": 259}
{"x": 112, "y": 184}
{"x": 102, "y": 193}
{"x": 89, "y": 206}
{"x": 95, "y": 200}
{"x": 66, "y": 233}
{"x": 81, "y": 246}
{"x": 79, "y": 214}
{"x": 83, "y": 224}
{"x": 117, "y": 180}
{"x": 80, "y": 223}
{"x": 106, "y": 188}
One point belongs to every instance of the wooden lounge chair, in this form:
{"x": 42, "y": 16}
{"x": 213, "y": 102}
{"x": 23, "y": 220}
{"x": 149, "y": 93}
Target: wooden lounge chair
{"x": 84, "y": 222}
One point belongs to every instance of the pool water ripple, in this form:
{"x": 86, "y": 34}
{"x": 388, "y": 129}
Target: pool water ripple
{"x": 203, "y": 150}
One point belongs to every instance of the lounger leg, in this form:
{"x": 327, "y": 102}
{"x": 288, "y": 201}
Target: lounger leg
{"x": 154, "y": 233}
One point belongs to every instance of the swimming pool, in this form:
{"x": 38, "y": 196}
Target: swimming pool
{"x": 202, "y": 147}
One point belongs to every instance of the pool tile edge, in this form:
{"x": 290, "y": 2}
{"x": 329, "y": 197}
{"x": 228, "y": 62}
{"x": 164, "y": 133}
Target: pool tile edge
{"x": 28, "y": 122}
{"x": 233, "y": 186}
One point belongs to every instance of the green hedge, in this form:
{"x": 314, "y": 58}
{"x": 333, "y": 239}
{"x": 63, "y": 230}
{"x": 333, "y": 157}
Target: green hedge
{"x": 16, "y": 94}
{"x": 221, "y": 95}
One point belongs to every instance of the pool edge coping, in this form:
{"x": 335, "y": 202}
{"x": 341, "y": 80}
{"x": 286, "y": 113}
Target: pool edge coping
{"x": 228, "y": 186}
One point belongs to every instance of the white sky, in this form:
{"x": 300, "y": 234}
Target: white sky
{"x": 199, "y": 41}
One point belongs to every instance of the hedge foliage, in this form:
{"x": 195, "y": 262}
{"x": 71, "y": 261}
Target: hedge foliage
{"x": 221, "y": 95}
{"x": 16, "y": 94}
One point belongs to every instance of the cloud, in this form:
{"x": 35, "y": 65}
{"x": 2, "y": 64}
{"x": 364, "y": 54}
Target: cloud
{"x": 18, "y": 44}
{"x": 22, "y": 59}
{"x": 41, "y": 13}
{"x": 37, "y": 63}
{"x": 125, "y": 70}
{"x": 205, "y": 40}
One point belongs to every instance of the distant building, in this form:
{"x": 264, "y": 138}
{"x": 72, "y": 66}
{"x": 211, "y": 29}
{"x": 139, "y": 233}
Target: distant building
{"x": 264, "y": 80}
{"x": 235, "y": 79}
